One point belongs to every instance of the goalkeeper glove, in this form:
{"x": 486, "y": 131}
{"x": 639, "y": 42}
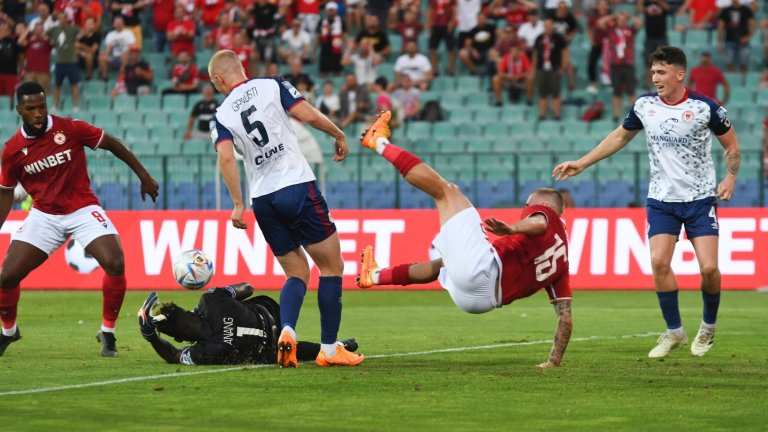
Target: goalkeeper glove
{"x": 147, "y": 322}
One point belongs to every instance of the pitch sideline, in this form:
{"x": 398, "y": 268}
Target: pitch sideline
{"x": 239, "y": 368}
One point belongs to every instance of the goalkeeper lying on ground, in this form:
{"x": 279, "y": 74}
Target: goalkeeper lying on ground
{"x": 226, "y": 327}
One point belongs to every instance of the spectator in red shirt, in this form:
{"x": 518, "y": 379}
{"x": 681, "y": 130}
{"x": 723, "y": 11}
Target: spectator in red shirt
{"x": 308, "y": 12}
{"x": 223, "y": 36}
{"x": 209, "y": 12}
{"x": 181, "y": 32}
{"x": 703, "y": 13}
{"x": 409, "y": 29}
{"x": 705, "y": 77}
{"x": 184, "y": 76}
{"x": 162, "y": 15}
{"x": 441, "y": 21}
{"x": 243, "y": 50}
{"x": 38, "y": 56}
{"x": 598, "y": 38}
{"x": 622, "y": 57}
{"x": 514, "y": 12}
{"x": 513, "y": 72}
{"x": 89, "y": 9}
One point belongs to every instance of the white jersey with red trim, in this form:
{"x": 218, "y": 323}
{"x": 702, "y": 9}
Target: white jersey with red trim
{"x": 254, "y": 117}
{"x": 679, "y": 141}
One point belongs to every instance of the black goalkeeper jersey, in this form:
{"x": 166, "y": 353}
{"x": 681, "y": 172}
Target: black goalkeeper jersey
{"x": 236, "y": 331}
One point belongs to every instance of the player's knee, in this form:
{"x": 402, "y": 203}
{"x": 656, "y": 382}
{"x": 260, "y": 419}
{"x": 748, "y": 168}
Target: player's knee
{"x": 660, "y": 266}
{"x": 709, "y": 271}
{"x": 114, "y": 265}
{"x": 8, "y": 280}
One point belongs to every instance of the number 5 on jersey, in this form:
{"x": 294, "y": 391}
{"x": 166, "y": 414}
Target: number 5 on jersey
{"x": 261, "y": 139}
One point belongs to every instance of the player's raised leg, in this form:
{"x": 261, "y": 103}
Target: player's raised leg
{"x": 327, "y": 256}
{"x": 706, "y": 248}
{"x": 403, "y": 274}
{"x": 448, "y": 198}
{"x": 296, "y": 268}
{"x": 662, "y": 248}
{"x": 109, "y": 254}
{"x": 20, "y": 260}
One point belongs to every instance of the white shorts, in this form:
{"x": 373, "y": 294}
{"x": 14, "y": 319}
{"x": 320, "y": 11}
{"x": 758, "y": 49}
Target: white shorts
{"x": 470, "y": 270}
{"x": 48, "y": 232}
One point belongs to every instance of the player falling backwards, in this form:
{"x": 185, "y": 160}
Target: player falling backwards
{"x": 47, "y": 157}
{"x": 481, "y": 275}
{"x": 226, "y": 327}
{"x": 678, "y": 128}
{"x": 289, "y": 208}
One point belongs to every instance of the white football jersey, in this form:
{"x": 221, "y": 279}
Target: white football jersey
{"x": 679, "y": 139}
{"x": 254, "y": 117}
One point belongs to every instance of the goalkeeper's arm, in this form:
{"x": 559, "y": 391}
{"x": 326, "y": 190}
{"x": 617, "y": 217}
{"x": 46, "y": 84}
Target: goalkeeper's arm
{"x": 165, "y": 349}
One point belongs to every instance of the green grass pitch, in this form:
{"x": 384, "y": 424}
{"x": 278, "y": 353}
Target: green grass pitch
{"x": 412, "y": 379}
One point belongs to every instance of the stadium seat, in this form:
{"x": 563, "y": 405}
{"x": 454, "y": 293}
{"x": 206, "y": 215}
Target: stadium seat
{"x": 99, "y": 104}
{"x": 124, "y": 104}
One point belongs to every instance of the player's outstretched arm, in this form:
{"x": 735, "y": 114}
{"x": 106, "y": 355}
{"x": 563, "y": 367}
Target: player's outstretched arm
{"x": 310, "y": 115}
{"x": 614, "y": 142}
{"x": 231, "y": 176}
{"x": 243, "y": 290}
{"x": 562, "y": 334}
{"x": 148, "y": 328}
{"x": 533, "y": 225}
{"x": 148, "y": 184}
{"x": 732, "y": 163}
{"x": 6, "y": 201}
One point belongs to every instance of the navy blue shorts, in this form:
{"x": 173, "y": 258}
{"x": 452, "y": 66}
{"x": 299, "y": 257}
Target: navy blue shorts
{"x": 699, "y": 217}
{"x": 68, "y": 71}
{"x": 293, "y": 216}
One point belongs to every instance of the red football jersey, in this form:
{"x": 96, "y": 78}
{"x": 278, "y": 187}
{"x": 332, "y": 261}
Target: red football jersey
{"x": 52, "y": 168}
{"x": 530, "y": 263}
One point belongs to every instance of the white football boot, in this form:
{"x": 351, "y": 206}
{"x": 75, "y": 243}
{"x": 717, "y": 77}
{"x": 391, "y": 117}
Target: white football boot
{"x": 667, "y": 342}
{"x": 705, "y": 338}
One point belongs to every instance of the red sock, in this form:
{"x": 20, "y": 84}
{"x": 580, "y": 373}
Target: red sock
{"x": 401, "y": 159}
{"x": 9, "y": 299}
{"x": 397, "y": 275}
{"x": 113, "y": 293}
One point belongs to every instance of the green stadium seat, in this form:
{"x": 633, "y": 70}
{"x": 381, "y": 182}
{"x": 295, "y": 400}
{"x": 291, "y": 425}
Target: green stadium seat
{"x": 132, "y": 118}
{"x": 418, "y": 130}
{"x": 197, "y": 147}
{"x": 487, "y": 114}
{"x": 143, "y": 147}
{"x": 136, "y": 133}
{"x": 175, "y": 102}
{"x": 443, "y": 131}
{"x": 442, "y": 84}
{"x": 468, "y": 84}
{"x": 150, "y": 102}
{"x": 453, "y": 146}
{"x": 155, "y": 119}
{"x": 478, "y": 99}
{"x": 426, "y": 145}
{"x": 124, "y": 104}
{"x": 99, "y": 103}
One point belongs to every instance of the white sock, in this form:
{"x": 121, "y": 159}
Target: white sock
{"x": 107, "y": 329}
{"x": 678, "y": 332}
{"x": 290, "y": 331}
{"x": 381, "y": 142}
{"x": 375, "y": 276}
{"x": 9, "y": 332}
{"x": 708, "y": 326}
{"x": 329, "y": 349}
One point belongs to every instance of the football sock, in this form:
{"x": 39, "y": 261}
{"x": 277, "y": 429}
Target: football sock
{"x": 9, "y": 331}
{"x": 329, "y": 302}
{"x": 669, "y": 309}
{"x": 329, "y": 349}
{"x": 397, "y": 275}
{"x": 9, "y": 300}
{"x": 291, "y": 299}
{"x": 381, "y": 143}
{"x": 711, "y": 304}
{"x": 113, "y": 293}
{"x": 401, "y": 159}
{"x": 106, "y": 329}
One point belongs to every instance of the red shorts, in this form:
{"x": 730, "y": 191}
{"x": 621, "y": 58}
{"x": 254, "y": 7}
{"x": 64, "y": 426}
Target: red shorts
{"x": 8, "y": 84}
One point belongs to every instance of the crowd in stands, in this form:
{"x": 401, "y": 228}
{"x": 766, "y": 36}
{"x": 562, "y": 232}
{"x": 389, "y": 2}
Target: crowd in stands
{"x": 522, "y": 47}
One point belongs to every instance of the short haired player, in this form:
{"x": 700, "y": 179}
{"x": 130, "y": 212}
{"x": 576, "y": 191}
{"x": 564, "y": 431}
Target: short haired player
{"x": 678, "y": 127}
{"x": 481, "y": 275}
{"x": 291, "y": 212}
{"x": 47, "y": 157}
{"x": 227, "y": 326}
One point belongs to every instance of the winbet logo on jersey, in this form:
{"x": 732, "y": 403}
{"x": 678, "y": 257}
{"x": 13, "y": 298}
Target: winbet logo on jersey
{"x": 48, "y": 162}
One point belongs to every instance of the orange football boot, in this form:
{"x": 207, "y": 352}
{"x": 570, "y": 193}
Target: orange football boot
{"x": 286, "y": 351}
{"x": 343, "y": 357}
{"x": 367, "y": 267}
{"x": 379, "y": 129}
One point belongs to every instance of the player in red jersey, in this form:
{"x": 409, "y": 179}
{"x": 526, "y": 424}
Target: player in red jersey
{"x": 481, "y": 275}
{"x": 47, "y": 157}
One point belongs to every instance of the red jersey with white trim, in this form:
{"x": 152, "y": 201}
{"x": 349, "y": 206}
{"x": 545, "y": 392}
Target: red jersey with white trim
{"x": 52, "y": 168}
{"x": 530, "y": 263}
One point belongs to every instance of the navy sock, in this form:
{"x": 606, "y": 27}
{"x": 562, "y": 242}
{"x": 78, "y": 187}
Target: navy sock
{"x": 291, "y": 298}
{"x": 329, "y": 302}
{"x": 669, "y": 309}
{"x": 711, "y": 304}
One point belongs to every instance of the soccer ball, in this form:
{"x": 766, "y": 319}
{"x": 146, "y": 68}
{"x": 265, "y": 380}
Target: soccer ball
{"x": 77, "y": 258}
{"x": 193, "y": 269}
